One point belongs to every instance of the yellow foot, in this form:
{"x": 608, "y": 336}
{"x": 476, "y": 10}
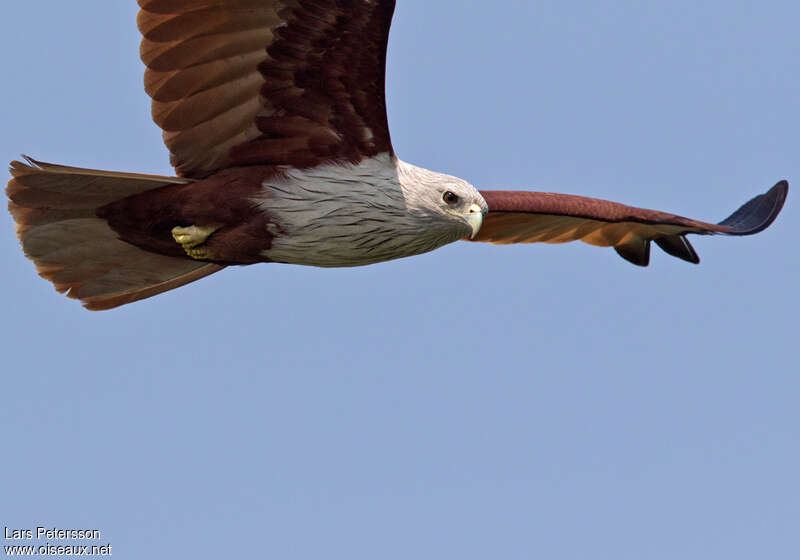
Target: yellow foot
{"x": 191, "y": 238}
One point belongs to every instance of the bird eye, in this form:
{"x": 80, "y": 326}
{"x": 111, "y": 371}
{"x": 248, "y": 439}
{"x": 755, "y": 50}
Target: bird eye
{"x": 450, "y": 197}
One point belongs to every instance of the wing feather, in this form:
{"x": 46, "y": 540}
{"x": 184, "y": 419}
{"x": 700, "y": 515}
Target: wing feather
{"x": 279, "y": 82}
{"x": 532, "y": 217}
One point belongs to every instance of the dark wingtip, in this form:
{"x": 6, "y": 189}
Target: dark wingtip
{"x": 637, "y": 252}
{"x": 678, "y": 246}
{"x": 757, "y": 214}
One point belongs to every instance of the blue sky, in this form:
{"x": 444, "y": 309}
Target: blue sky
{"x": 478, "y": 401}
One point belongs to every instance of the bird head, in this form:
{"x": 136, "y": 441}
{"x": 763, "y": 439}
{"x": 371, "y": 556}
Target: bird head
{"x": 452, "y": 202}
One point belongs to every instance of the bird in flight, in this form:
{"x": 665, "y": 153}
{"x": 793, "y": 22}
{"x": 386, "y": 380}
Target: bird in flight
{"x": 274, "y": 114}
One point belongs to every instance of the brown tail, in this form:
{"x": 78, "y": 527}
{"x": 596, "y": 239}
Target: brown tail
{"x": 54, "y": 210}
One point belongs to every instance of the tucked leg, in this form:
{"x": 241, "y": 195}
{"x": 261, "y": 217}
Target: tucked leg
{"x": 193, "y": 239}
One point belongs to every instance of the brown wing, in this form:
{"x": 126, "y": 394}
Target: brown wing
{"x": 530, "y": 217}
{"x": 281, "y": 82}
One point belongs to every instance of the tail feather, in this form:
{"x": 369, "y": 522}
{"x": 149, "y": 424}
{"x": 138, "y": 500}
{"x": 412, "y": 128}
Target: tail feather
{"x": 26, "y": 217}
{"x": 54, "y": 207}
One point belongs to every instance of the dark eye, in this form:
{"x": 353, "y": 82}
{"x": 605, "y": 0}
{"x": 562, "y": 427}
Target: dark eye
{"x": 450, "y": 197}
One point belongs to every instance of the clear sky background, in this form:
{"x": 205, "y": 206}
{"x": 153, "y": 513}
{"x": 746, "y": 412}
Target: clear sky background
{"x": 476, "y": 402}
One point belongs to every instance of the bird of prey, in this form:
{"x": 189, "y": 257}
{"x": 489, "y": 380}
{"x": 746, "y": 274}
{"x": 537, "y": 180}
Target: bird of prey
{"x": 274, "y": 114}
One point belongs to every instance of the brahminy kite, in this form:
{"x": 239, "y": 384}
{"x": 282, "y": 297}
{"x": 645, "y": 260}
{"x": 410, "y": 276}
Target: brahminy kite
{"x": 274, "y": 114}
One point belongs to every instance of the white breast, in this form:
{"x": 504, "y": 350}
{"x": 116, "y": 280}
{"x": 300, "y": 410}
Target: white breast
{"x": 349, "y": 215}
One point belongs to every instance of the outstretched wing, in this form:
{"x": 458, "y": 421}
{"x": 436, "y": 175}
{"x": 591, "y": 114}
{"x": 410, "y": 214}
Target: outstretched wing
{"x": 279, "y": 82}
{"x": 530, "y": 217}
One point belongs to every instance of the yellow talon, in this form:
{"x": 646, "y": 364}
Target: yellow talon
{"x": 191, "y": 237}
{"x": 199, "y": 253}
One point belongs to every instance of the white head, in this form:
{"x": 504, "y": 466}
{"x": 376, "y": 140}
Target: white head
{"x": 447, "y": 203}
{"x": 377, "y": 210}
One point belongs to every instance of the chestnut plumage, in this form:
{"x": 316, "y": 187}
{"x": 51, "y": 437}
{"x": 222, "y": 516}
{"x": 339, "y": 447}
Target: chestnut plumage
{"x": 275, "y": 118}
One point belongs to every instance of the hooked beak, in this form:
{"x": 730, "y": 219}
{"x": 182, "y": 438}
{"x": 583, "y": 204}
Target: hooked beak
{"x": 474, "y": 218}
